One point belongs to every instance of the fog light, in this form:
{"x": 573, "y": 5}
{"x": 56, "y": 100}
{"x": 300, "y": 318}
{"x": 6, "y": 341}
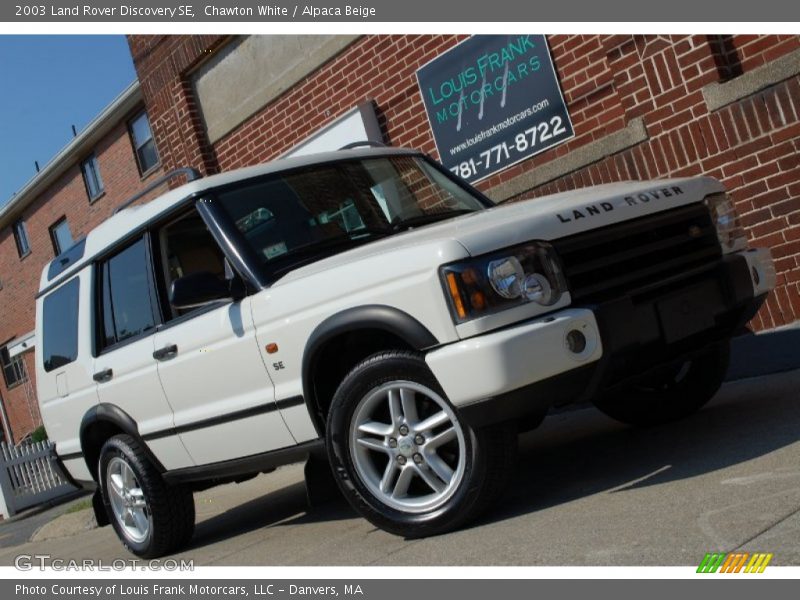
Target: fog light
{"x": 576, "y": 341}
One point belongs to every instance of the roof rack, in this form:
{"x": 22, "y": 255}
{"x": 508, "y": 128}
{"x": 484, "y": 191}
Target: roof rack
{"x": 368, "y": 143}
{"x": 190, "y": 173}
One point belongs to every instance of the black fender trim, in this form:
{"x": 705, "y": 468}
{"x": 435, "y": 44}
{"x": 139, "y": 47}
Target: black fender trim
{"x": 372, "y": 316}
{"x": 113, "y": 414}
{"x": 99, "y": 508}
{"x": 227, "y": 418}
{"x": 70, "y": 456}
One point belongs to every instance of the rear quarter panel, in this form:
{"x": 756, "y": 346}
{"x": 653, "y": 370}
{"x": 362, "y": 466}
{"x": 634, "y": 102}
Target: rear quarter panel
{"x": 66, "y": 393}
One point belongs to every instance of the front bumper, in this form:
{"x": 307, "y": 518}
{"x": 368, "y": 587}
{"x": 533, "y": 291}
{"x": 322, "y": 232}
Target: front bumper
{"x": 499, "y": 362}
{"x": 528, "y": 367}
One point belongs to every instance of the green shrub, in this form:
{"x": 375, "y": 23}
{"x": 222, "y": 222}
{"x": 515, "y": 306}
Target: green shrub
{"x": 39, "y": 434}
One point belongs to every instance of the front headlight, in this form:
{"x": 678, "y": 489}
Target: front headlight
{"x": 488, "y": 284}
{"x": 730, "y": 233}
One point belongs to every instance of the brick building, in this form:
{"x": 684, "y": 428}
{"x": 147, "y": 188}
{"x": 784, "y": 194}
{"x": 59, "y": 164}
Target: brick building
{"x": 78, "y": 189}
{"x": 642, "y": 107}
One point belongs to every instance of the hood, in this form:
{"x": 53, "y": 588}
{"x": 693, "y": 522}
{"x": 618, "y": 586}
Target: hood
{"x": 545, "y": 218}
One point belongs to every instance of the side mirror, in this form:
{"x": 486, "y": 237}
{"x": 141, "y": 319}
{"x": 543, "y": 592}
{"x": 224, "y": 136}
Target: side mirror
{"x": 198, "y": 289}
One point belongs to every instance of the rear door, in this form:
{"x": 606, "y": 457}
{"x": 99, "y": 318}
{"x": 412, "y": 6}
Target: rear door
{"x": 124, "y": 367}
{"x": 209, "y": 363}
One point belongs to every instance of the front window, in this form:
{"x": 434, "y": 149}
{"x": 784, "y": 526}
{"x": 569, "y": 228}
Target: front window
{"x": 301, "y": 216}
{"x": 185, "y": 247}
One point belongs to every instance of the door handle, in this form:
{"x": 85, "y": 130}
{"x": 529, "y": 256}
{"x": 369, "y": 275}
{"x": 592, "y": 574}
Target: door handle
{"x": 166, "y": 353}
{"x": 103, "y": 376}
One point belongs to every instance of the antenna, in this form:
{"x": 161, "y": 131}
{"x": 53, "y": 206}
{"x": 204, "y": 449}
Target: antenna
{"x": 74, "y": 131}
{"x": 36, "y": 162}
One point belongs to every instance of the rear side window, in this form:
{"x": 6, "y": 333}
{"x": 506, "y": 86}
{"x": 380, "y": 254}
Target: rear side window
{"x": 60, "y": 326}
{"x": 125, "y": 296}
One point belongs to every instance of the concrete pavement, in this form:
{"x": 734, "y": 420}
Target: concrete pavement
{"x": 588, "y": 491}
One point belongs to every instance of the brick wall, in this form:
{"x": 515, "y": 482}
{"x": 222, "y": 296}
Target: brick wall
{"x": 608, "y": 81}
{"x": 751, "y": 145}
{"x": 175, "y": 120}
{"x": 67, "y": 197}
{"x": 756, "y": 50}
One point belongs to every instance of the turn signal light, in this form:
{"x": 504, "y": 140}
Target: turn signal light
{"x": 455, "y": 295}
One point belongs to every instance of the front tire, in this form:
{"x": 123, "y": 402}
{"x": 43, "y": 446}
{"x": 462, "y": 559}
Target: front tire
{"x": 670, "y": 395}
{"x": 401, "y": 455}
{"x": 150, "y": 518}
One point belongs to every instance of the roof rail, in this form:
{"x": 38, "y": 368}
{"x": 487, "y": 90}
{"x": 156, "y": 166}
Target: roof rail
{"x": 369, "y": 143}
{"x": 190, "y": 173}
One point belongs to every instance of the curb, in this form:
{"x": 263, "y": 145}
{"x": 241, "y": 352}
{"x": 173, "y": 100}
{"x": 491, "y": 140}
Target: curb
{"x": 40, "y": 508}
{"x": 754, "y": 355}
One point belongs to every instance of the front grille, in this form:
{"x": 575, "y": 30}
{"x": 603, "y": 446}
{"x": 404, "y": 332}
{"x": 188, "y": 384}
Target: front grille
{"x": 638, "y": 256}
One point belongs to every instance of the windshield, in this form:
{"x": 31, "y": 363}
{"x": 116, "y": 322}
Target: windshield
{"x": 295, "y": 217}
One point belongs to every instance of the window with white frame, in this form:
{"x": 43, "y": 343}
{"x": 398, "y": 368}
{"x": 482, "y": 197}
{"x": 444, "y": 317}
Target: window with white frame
{"x": 13, "y": 368}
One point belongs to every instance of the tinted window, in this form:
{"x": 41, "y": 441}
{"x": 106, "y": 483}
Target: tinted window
{"x": 60, "y": 326}
{"x": 67, "y": 259}
{"x": 287, "y": 219}
{"x": 125, "y": 295}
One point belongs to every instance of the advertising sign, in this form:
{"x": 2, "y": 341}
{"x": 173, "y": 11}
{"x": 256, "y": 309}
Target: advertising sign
{"x": 492, "y": 101}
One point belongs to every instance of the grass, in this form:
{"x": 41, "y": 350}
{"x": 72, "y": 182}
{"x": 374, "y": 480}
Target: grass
{"x": 78, "y": 506}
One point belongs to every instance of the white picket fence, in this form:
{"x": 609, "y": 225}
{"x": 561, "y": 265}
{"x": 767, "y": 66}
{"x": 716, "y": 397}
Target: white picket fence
{"x": 29, "y": 475}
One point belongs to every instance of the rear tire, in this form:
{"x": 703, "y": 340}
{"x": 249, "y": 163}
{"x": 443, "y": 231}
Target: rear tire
{"x": 150, "y": 518}
{"x": 401, "y": 455}
{"x": 670, "y": 395}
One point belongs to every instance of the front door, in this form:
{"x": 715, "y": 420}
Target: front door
{"x": 208, "y": 358}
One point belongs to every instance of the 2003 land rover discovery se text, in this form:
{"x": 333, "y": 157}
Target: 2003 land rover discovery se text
{"x": 369, "y": 304}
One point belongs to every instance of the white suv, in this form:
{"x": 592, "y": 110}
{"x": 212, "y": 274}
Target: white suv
{"x": 368, "y": 304}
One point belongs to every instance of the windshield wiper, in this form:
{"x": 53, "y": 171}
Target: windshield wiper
{"x": 410, "y": 222}
{"x": 375, "y": 231}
